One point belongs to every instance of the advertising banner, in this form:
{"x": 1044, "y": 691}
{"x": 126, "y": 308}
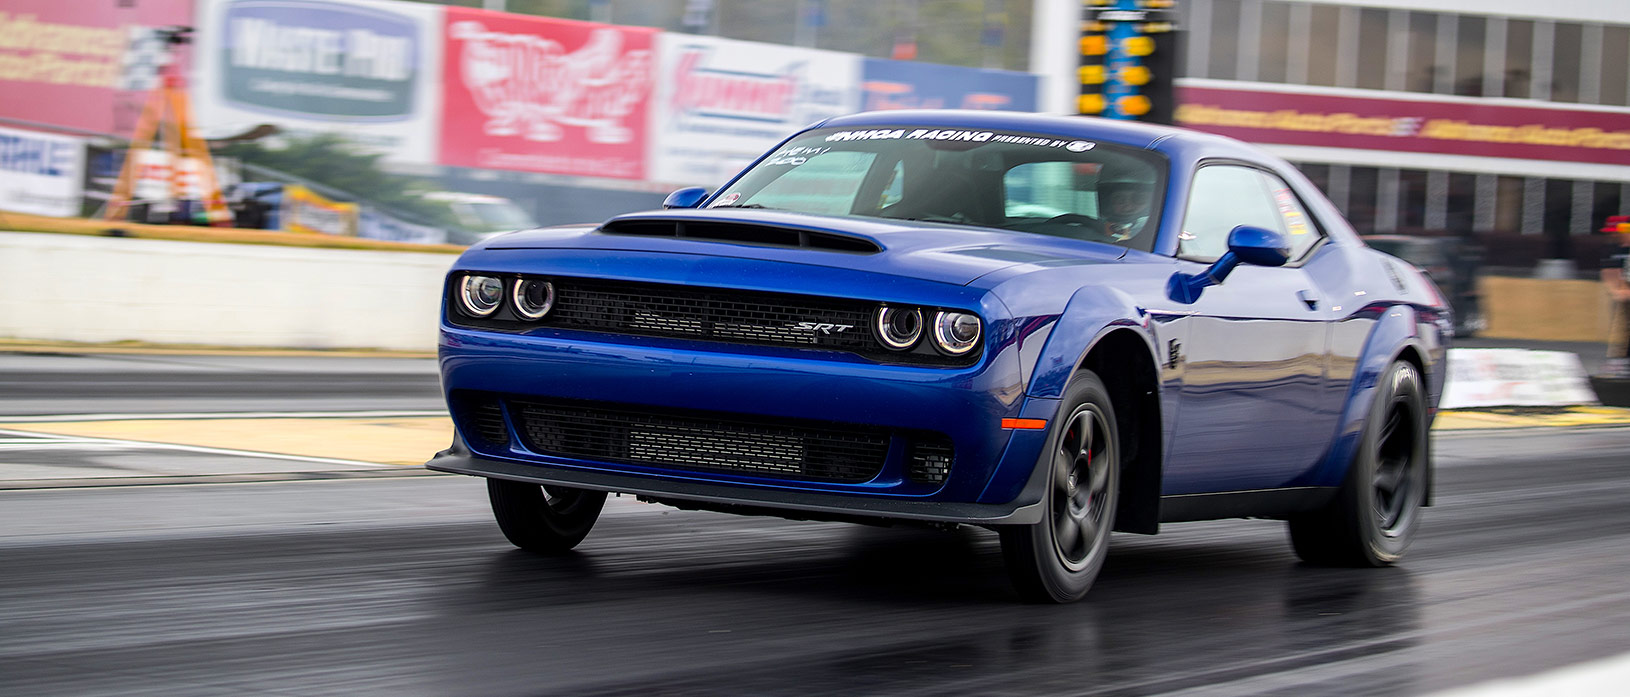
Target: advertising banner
{"x": 721, "y": 103}
{"x": 545, "y": 95}
{"x": 368, "y": 69}
{"x": 307, "y": 211}
{"x": 1426, "y": 124}
{"x": 892, "y": 84}
{"x": 1514, "y": 377}
{"x": 40, "y": 173}
{"x": 61, "y": 63}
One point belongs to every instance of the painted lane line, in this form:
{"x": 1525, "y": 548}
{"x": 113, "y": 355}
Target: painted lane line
{"x": 222, "y": 451}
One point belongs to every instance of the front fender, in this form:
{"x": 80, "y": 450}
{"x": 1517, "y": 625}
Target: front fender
{"x": 1091, "y": 313}
{"x": 1398, "y": 329}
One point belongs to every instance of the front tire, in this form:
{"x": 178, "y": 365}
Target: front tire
{"x": 545, "y": 520}
{"x": 1373, "y": 518}
{"x": 1057, "y": 559}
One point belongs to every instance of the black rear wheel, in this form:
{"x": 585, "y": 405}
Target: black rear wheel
{"x": 1057, "y": 559}
{"x": 544, "y": 519}
{"x": 1374, "y": 515}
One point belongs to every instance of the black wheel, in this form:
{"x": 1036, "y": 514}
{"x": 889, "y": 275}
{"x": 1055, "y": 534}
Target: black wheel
{"x": 1374, "y": 515}
{"x": 544, "y": 519}
{"x": 1057, "y": 559}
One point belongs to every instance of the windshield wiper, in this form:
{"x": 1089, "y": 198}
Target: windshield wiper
{"x": 743, "y": 205}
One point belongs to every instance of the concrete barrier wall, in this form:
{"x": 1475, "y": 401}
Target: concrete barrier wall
{"x": 103, "y": 289}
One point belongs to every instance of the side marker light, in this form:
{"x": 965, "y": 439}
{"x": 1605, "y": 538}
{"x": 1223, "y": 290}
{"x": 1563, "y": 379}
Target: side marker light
{"x": 1024, "y": 424}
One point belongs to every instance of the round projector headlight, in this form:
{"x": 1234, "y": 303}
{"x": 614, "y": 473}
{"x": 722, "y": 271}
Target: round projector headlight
{"x": 480, "y": 296}
{"x": 898, "y": 327}
{"x": 956, "y": 333}
{"x": 533, "y": 298}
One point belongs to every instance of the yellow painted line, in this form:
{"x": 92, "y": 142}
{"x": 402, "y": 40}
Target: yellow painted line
{"x": 385, "y": 440}
{"x": 1462, "y": 419}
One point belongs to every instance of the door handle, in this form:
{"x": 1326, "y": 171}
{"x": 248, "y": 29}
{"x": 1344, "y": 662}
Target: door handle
{"x": 1308, "y": 298}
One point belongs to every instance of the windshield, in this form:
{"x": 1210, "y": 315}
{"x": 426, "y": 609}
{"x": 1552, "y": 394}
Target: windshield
{"x": 495, "y": 215}
{"x": 1013, "y": 181}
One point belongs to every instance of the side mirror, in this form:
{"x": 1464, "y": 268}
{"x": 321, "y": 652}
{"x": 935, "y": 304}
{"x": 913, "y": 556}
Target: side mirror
{"x": 1246, "y": 244}
{"x": 688, "y": 197}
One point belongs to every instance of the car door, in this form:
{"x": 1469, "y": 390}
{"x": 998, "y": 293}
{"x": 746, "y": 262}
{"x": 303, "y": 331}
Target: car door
{"x": 1252, "y": 410}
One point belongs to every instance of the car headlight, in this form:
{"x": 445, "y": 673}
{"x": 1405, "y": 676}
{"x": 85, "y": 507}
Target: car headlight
{"x": 956, "y": 333}
{"x": 898, "y": 327}
{"x": 533, "y": 298}
{"x": 480, "y": 296}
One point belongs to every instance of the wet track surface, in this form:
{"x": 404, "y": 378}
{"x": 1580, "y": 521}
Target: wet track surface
{"x": 405, "y": 587}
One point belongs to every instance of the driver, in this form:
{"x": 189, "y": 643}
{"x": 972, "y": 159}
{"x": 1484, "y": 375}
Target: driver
{"x": 1124, "y": 204}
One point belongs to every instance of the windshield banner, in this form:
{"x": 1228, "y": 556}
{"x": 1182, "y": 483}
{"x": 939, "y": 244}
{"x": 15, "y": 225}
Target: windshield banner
{"x": 892, "y": 84}
{"x": 545, "y": 95}
{"x": 369, "y": 69}
{"x": 1422, "y": 123}
{"x": 721, "y": 103}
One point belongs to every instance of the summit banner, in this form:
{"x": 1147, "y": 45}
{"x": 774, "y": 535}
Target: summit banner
{"x": 721, "y": 103}
{"x": 1424, "y": 125}
{"x": 545, "y": 95}
{"x": 367, "y": 69}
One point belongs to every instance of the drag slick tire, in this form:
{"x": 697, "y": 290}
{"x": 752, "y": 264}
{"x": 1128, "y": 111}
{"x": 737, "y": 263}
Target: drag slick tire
{"x": 1373, "y": 517}
{"x": 544, "y": 519}
{"x": 1057, "y": 559}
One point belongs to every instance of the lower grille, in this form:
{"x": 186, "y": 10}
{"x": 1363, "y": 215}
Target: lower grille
{"x": 930, "y": 461}
{"x": 484, "y": 420}
{"x": 702, "y": 442}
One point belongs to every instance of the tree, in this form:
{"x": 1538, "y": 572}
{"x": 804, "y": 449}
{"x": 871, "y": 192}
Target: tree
{"x": 333, "y": 161}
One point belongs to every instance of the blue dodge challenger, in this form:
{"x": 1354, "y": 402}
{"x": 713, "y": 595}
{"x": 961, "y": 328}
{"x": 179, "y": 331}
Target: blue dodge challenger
{"x": 1051, "y": 327}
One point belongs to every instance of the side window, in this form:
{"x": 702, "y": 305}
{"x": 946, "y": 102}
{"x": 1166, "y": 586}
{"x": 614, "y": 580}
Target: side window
{"x": 825, "y": 183}
{"x": 1299, "y": 229}
{"x": 1223, "y": 197}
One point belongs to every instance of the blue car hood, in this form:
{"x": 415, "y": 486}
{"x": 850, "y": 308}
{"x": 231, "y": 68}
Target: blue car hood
{"x": 944, "y": 253}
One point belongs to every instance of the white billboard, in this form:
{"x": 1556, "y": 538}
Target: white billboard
{"x": 721, "y": 103}
{"x": 41, "y": 173}
{"x": 367, "y": 69}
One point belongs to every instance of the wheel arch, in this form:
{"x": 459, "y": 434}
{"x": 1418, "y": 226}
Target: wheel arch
{"x": 1123, "y": 360}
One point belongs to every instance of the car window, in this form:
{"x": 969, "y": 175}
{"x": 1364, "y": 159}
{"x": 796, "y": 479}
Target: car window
{"x": 1222, "y": 198}
{"x": 1299, "y": 228}
{"x": 825, "y": 183}
{"x": 1048, "y": 189}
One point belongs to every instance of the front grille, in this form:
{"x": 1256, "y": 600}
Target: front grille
{"x": 733, "y": 316}
{"x": 799, "y": 450}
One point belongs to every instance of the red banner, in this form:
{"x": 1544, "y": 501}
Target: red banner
{"x": 61, "y": 62}
{"x": 1451, "y": 127}
{"x": 545, "y": 95}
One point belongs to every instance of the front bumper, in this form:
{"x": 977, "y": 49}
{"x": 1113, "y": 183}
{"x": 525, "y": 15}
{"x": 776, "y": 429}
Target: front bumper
{"x": 1023, "y": 509}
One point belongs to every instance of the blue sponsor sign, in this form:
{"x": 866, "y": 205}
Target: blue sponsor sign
{"x": 319, "y": 59}
{"x": 891, "y": 84}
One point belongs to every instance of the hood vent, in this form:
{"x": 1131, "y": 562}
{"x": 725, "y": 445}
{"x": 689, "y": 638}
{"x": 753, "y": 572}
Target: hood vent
{"x": 738, "y": 233}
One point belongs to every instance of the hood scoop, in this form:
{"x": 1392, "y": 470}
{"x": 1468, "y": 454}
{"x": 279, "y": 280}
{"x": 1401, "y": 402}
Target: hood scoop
{"x": 740, "y": 233}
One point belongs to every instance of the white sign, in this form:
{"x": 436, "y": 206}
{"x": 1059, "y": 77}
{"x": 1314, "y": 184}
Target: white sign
{"x": 368, "y": 69}
{"x": 41, "y": 173}
{"x": 721, "y": 103}
{"x": 1515, "y": 378}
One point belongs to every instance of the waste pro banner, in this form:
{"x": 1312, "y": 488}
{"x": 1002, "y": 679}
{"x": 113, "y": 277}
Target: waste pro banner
{"x": 892, "y": 84}
{"x": 1425, "y": 124}
{"x": 368, "y": 69}
{"x": 64, "y": 63}
{"x": 721, "y": 103}
{"x": 41, "y": 173}
{"x": 545, "y": 95}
